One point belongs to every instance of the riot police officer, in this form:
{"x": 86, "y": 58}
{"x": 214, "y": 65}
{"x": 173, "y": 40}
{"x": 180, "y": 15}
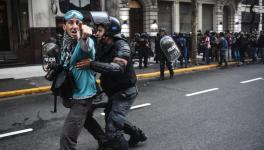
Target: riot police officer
{"x": 118, "y": 80}
{"x": 136, "y": 45}
{"x": 144, "y": 49}
{"x": 163, "y": 59}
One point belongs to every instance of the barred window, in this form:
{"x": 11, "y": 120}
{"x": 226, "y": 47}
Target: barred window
{"x": 82, "y": 5}
{"x": 21, "y": 19}
{"x": 250, "y": 2}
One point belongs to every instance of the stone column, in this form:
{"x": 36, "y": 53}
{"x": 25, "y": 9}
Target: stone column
{"x": 219, "y": 17}
{"x": 124, "y": 20}
{"x": 102, "y": 2}
{"x": 214, "y": 18}
{"x": 150, "y": 13}
{"x": 176, "y": 16}
{"x": 238, "y": 19}
{"x": 237, "y": 23}
{"x": 260, "y": 15}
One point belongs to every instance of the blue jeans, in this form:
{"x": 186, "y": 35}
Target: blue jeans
{"x": 207, "y": 55}
{"x": 236, "y": 55}
{"x": 115, "y": 114}
{"x": 184, "y": 56}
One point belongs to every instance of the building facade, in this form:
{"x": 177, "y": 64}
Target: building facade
{"x": 26, "y": 24}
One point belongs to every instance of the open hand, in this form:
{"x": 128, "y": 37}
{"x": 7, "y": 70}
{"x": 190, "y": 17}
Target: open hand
{"x": 85, "y": 63}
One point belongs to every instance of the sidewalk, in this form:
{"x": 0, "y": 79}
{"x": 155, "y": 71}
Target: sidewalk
{"x": 30, "y": 79}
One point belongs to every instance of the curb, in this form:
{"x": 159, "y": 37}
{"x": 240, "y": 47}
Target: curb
{"x": 139, "y": 77}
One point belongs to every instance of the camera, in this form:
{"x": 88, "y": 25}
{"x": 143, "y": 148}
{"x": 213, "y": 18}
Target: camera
{"x": 51, "y": 74}
{"x": 53, "y": 70}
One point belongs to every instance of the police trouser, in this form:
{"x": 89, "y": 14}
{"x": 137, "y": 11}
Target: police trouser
{"x": 242, "y": 54}
{"x": 115, "y": 113}
{"x": 80, "y": 116}
{"x": 143, "y": 56}
{"x": 163, "y": 61}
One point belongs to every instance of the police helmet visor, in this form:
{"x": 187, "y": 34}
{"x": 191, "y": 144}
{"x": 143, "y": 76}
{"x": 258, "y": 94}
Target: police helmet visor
{"x": 73, "y": 14}
{"x": 99, "y": 17}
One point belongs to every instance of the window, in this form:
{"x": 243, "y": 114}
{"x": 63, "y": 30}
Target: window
{"x": 83, "y": 6}
{"x": 246, "y": 23}
{"x": 247, "y": 17}
{"x": 20, "y": 19}
{"x": 250, "y": 2}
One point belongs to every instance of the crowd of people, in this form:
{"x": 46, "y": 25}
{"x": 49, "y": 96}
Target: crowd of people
{"x": 237, "y": 46}
{"x": 213, "y": 47}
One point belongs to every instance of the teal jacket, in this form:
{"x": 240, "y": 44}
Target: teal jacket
{"x": 85, "y": 86}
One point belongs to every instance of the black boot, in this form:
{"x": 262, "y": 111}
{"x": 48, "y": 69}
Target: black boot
{"x": 171, "y": 74}
{"x": 136, "y": 135}
{"x": 161, "y": 76}
{"x": 139, "y": 136}
{"x": 103, "y": 146}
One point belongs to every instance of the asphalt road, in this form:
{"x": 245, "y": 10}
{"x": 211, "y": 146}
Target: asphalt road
{"x": 209, "y": 110}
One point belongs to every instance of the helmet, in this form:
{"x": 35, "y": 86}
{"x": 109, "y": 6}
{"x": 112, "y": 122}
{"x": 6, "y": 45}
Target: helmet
{"x": 144, "y": 35}
{"x": 114, "y": 27}
{"x": 137, "y": 35}
{"x": 111, "y": 24}
{"x": 162, "y": 29}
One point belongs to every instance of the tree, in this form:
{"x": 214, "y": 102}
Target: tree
{"x": 194, "y": 35}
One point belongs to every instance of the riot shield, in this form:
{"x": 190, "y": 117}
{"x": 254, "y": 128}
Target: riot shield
{"x": 49, "y": 52}
{"x": 169, "y": 48}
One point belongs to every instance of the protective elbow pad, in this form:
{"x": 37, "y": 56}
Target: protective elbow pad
{"x": 106, "y": 68}
{"x": 123, "y": 49}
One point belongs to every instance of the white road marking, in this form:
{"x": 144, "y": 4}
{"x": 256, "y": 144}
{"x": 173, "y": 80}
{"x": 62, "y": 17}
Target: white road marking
{"x": 201, "y": 92}
{"x": 16, "y": 132}
{"x": 139, "y": 106}
{"x": 247, "y": 81}
{"x": 135, "y": 107}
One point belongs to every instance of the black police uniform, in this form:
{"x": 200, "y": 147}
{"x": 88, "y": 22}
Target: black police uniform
{"x": 144, "y": 48}
{"x": 119, "y": 83}
{"x": 163, "y": 61}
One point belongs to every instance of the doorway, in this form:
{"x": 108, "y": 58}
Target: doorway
{"x": 135, "y": 17}
{"x": 4, "y": 34}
